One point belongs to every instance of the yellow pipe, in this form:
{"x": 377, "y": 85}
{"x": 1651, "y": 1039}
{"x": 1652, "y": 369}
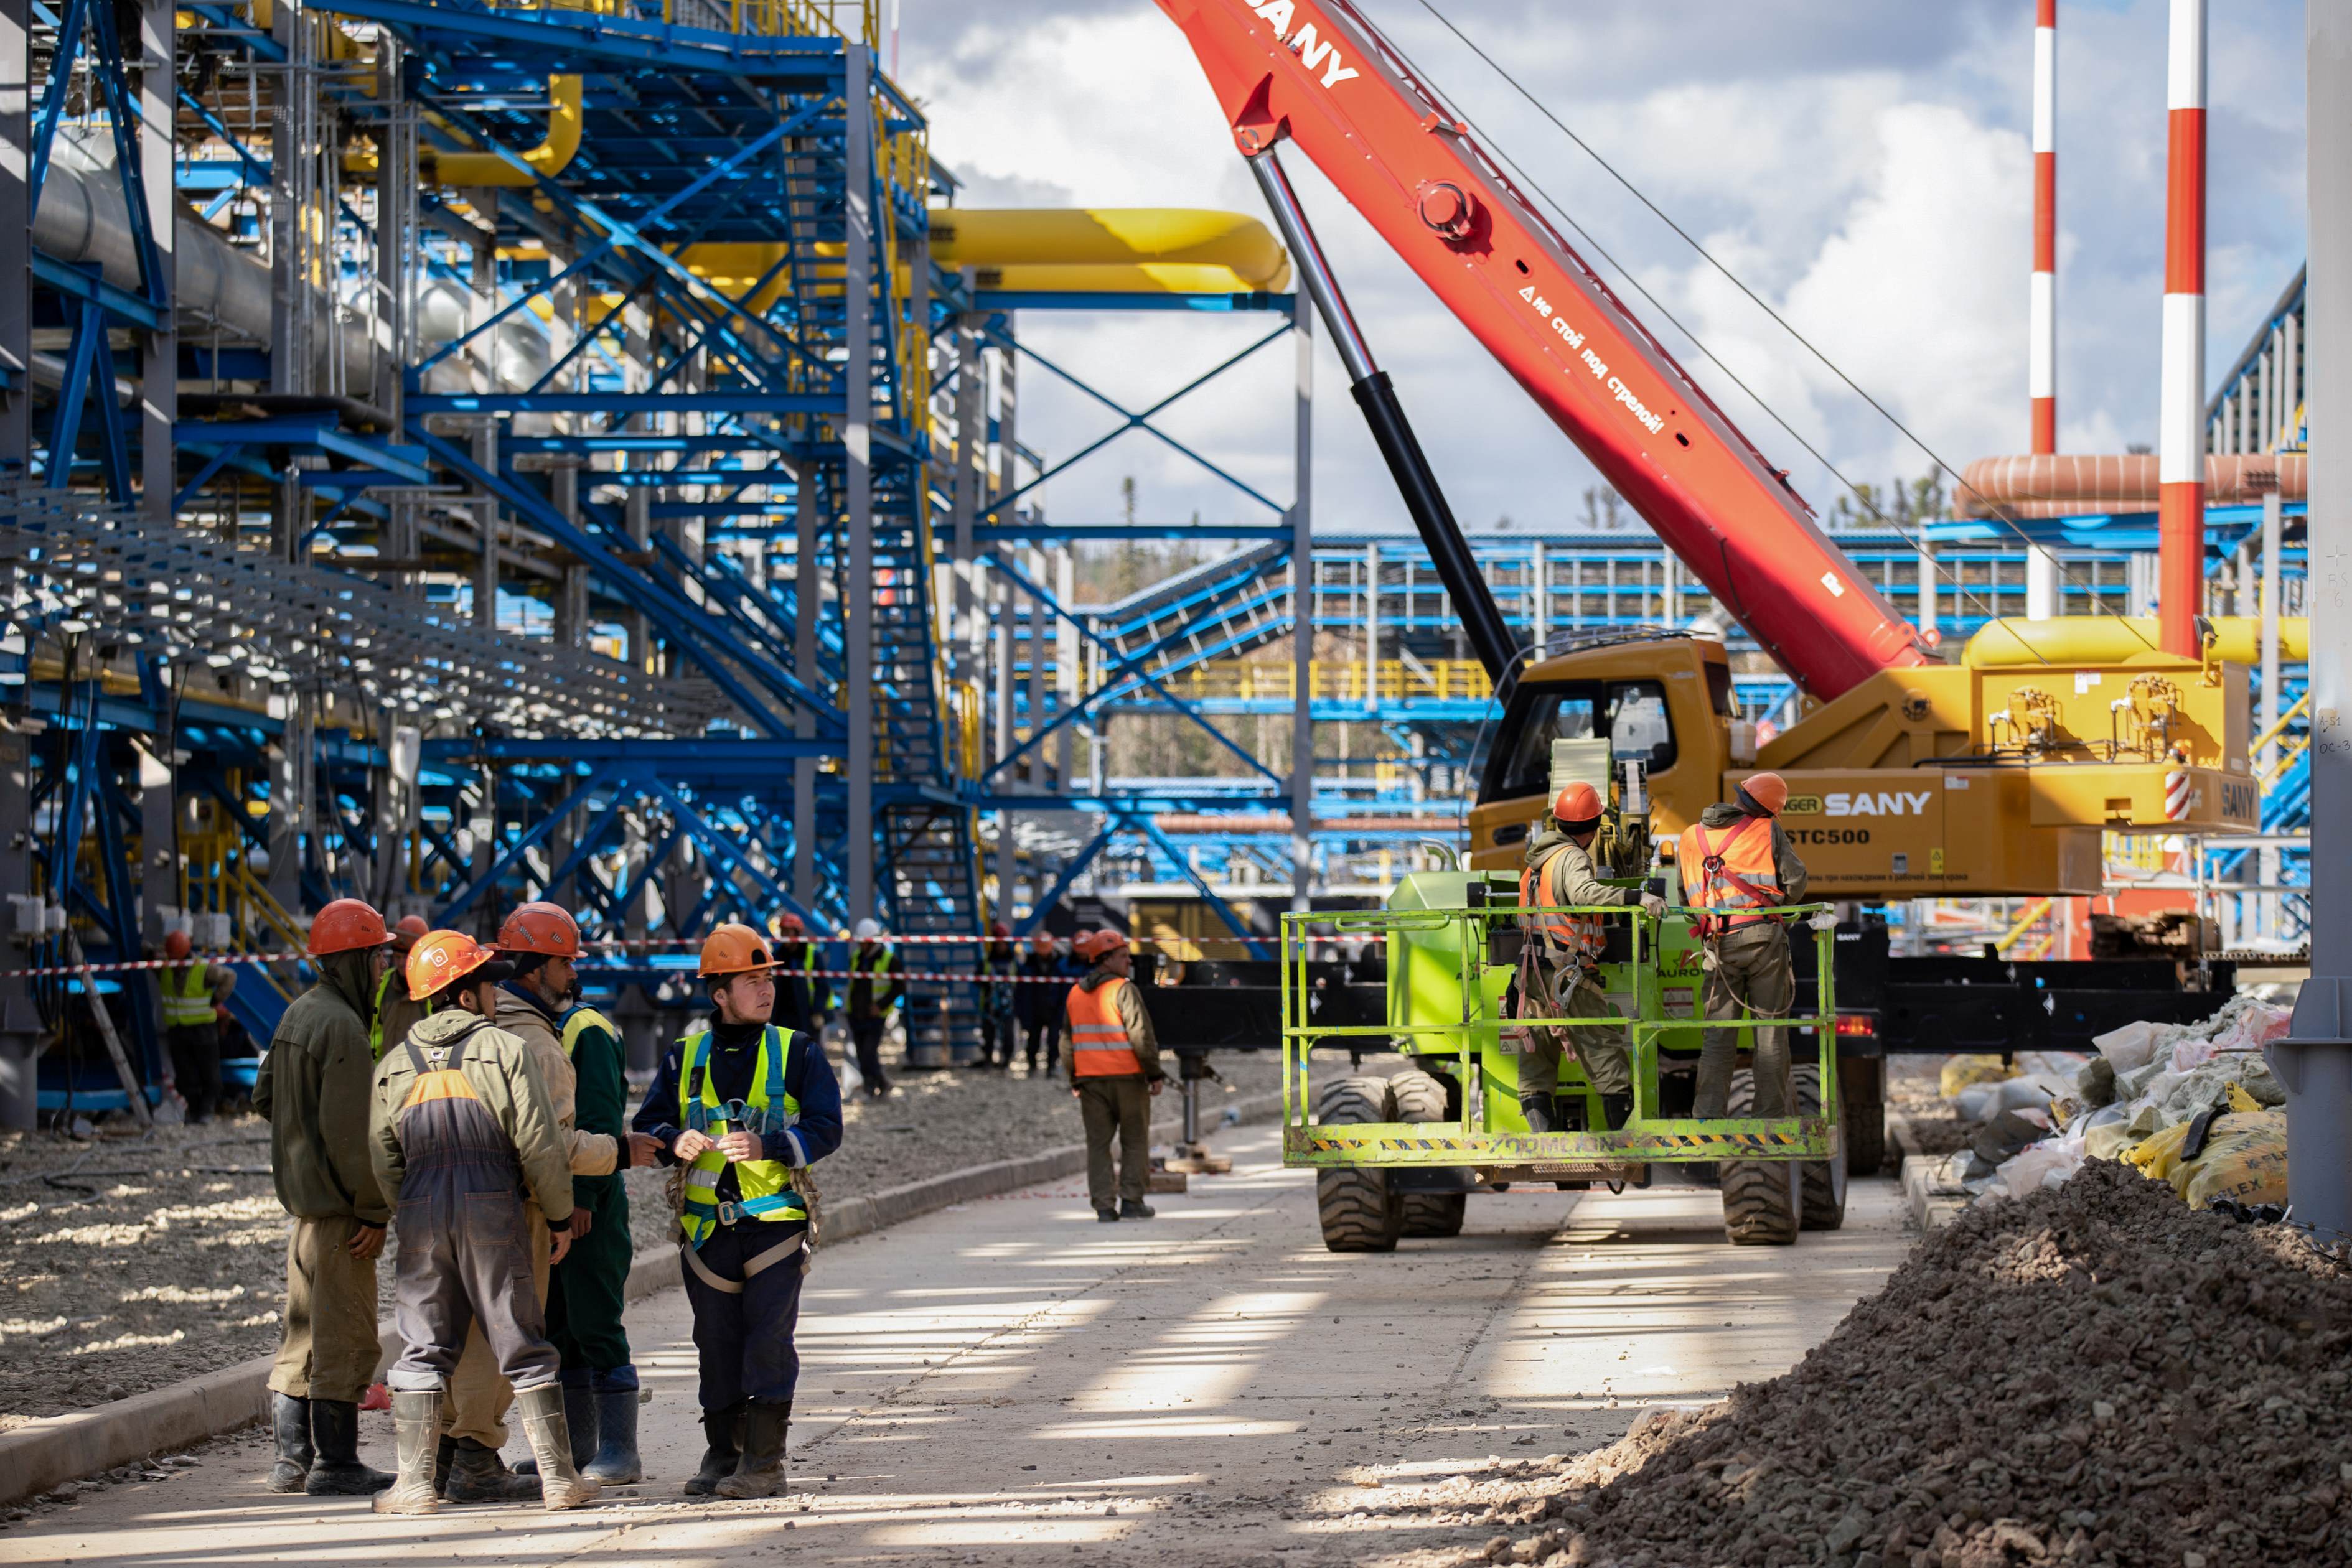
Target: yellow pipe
{"x": 1108, "y": 236}
{"x": 564, "y": 120}
{"x": 1140, "y": 278}
{"x": 2085, "y": 640}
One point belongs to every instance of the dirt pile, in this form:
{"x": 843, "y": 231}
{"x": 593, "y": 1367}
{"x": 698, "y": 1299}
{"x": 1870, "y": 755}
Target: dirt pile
{"x": 2088, "y": 1374}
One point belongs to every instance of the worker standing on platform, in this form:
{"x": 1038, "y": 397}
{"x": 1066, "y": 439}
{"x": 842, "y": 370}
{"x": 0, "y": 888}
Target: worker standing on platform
{"x": 1557, "y": 875}
{"x": 1114, "y": 1072}
{"x": 190, "y": 988}
{"x": 1737, "y": 866}
{"x": 463, "y": 1127}
{"x": 874, "y": 989}
{"x": 1044, "y": 998}
{"x": 999, "y": 961}
{"x": 395, "y": 1011}
{"x": 313, "y": 1085}
{"x": 746, "y": 1107}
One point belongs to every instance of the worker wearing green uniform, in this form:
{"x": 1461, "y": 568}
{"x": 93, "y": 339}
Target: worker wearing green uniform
{"x": 395, "y": 1012}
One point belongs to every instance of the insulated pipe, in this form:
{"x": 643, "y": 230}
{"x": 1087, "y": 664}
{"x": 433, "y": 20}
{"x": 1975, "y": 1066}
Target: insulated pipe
{"x": 2042, "y": 351}
{"x": 2084, "y": 640}
{"x": 1482, "y": 618}
{"x": 2051, "y": 486}
{"x": 1108, "y": 236}
{"x": 2181, "y": 447}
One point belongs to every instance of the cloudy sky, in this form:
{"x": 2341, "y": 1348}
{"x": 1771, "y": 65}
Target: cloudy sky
{"x": 1863, "y": 165}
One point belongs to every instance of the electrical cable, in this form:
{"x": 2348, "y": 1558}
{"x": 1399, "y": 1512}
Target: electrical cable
{"x": 2000, "y": 514}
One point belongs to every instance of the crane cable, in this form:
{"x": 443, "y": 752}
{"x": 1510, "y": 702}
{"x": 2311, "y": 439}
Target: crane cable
{"x": 2001, "y": 513}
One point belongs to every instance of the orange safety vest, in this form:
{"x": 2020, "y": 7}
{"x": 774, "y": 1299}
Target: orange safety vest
{"x": 1098, "y": 1042}
{"x": 1733, "y": 874}
{"x": 1582, "y": 936}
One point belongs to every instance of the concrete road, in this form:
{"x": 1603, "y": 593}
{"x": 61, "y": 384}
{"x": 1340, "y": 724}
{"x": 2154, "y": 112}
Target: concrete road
{"x": 1011, "y": 1381}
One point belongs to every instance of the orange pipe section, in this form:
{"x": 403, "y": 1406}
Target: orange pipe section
{"x": 2046, "y": 484}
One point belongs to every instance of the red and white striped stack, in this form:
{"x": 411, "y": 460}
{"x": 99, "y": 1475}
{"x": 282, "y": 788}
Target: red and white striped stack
{"x": 2041, "y": 353}
{"x": 2181, "y": 447}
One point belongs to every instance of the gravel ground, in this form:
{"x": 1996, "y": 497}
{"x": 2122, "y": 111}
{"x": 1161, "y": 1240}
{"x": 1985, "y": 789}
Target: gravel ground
{"x": 2092, "y": 1374}
{"x": 129, "y": 1262}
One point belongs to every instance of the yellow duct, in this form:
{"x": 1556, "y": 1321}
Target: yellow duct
{"x": 1109, "y": 237}
{"x": 2082, "y": 641}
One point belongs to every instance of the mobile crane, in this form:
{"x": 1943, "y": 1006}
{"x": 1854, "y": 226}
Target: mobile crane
{"x": 1908, "y": 777}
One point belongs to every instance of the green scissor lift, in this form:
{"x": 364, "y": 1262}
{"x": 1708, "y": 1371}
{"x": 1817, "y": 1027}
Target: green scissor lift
{"x": 1399, "y": 1156}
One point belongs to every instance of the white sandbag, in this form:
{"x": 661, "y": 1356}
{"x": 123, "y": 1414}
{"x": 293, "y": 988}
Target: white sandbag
{"x": 2132, "y": 1046}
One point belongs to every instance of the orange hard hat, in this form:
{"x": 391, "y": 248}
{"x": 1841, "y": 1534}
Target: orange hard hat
{"x": 347, "y": 925}
{"x": 1577, "y": 804}
{"x": 540, "y": 926}
{"x": 731, "y": 949}
{"x": 176, "y": 945}
{"x": 441, "y": 957}
{"x": 1107, "y": 942}
{"x": 784, "y": 923}
{"x": 404, "y": 934}
{"x": 1768, "y": 790}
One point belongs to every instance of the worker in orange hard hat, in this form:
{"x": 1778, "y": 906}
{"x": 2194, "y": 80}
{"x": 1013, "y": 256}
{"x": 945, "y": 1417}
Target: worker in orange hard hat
{"x": 1043, "y": 1000}
{"x": 1114, "y": 1072}
{"x": 394, "y": 1010}
{"x": 747, "y": 1107}
{"x": 314, "y": 1086}
{"x": 463, "y": 1129}
{"x": 191, "y": 988}
{"x": 1560, "y": 889}
{"x": 1737, "y": 866}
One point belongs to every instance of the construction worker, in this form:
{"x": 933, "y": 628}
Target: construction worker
{"x": 462, "y": 1127}
{"x": 745, "y": 1106}
{"x": 1737, "y": 865}
{"x": 1557, "y": 875}
{"x": 1043, "y": 998}
{"x": 313, "y": 1085}
{"x": 578, "y": 1052}
{"x": 537, "y": 944}
{"x": 796, "y": 986}
{"x": 1114, "y": 1072}
{"x": 874, "y": 989}
{"x": 191, "y": 988}
{"x": 395, "y": 1012}
{"x": 999, "y": 961}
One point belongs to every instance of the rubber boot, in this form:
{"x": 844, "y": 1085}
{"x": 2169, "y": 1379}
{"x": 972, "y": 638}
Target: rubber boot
{"x": 722, "y": 1434}
{"x": 290, "y": 1419}
{"x": 579, "y": 1415}
{"x": 335, "y": 1467}
{"x": 617, "y": 1463}
{"x": 761, "y": 1471}
{"x": 416, "y": 1431}
{"x": 1617, "y": 1109}
{"x": 560, "y": 1485}
{"x": 476, "y": 1474}
{"x": 1537, "y": 1109}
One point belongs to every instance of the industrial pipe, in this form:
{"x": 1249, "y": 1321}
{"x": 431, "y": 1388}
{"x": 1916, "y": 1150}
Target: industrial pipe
{"x": 2079, "y": 640}
{"x": 550, "y": 157}
{"x": 2180, "y": 413}
{"x": 1109, "y": 237}
{"x": 2052, "y": 486}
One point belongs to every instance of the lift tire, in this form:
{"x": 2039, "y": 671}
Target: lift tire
{"x": 1862, "y": 1095}
{"x": 1419, "y": 1097}
{"x": 1358, "y": 1210}
{"x": 1760, "y": 1198}
{"x": 1823, "y": 1181}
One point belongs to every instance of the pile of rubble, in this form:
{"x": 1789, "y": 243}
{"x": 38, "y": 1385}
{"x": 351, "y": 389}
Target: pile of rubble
{"x": 2089, "y": 1375}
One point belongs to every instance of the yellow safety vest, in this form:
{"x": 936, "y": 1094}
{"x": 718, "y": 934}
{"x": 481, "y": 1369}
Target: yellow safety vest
{"x": 584, "y": 1018}
{"x": 765, "y": 1184}
{"x": 187, "y": 997}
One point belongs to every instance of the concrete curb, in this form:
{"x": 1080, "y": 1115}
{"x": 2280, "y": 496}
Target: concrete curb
{"x": 1932, "y": 1198}
{"x": 36, "y": 1457}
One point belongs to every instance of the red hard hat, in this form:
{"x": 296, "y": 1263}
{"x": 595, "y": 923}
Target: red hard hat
{"x": 784, "y": 923}
{"x": 441, "y": 957}
{"x": 732, "y": 949}
{"x": 1577, "y": 804}
{"x": 1042, "y": 943}
{"x": 998, "y": 928}
{"x": 540, "y": 928}
{"x": 346, "y": 926}
{"x": 176, "y": 945}
{"x": 1768, "y": 790}
{"x": 404, "y": 934}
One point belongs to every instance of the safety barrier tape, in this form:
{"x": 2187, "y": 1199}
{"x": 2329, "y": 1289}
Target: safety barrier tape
{"x": 75, "y": 971}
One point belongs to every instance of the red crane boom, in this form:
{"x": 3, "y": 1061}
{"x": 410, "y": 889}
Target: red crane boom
{"x": 1318, "y": 74}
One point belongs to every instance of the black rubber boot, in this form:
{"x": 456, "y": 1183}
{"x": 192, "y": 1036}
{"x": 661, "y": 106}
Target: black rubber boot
{"x": 415, "y": 1423}
{"x": 1538, "y": 1110}
{"x": 722, "y": 1434}
{"x": 1136, "y": 1208}
{"x": 476, "y": 1474}
{"x": 289, "y": 1420}
{"x": 760, "y": 1472}
{"x": 616, "y": 1463}
{"x": 335, "y": 1467}
{"x": 1617, "y": 1109}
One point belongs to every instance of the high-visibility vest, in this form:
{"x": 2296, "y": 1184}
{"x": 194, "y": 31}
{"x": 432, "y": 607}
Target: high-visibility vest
{"x": 187, "y": 997}
{"x": 1098, "y": 1044}
{"x": 580, "y": 1019}
{"x": 1733, "y": 876}
{"x": 765, "y": 1186}
{"x": 1583, "y": 936}
{"x": 384, "y": 984}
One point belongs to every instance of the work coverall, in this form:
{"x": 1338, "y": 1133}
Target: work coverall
{"x": 396, "y": 1014}
{"x": 480, "y": 1397}
{"x": 874, "y": 989}
{"x": 998, "y": 999}
{"x": 743, "y": 1281}
{"x": 1565, "y": 878}
{"x": 1748, "y": 970}
{"x": 192, "y": 1036}
{"x": 1043, "y": 1003}
{"x": 313, "y": 1085}
{"x": 463, "y": 1127}
{"x": 585, "y": 1291}
{"x": 1114, "y": 1079}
